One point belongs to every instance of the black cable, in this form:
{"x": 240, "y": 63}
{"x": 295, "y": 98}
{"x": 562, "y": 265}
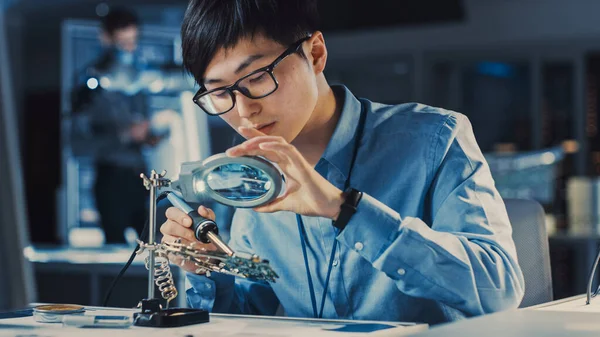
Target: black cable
{"x": 132, "y": 257}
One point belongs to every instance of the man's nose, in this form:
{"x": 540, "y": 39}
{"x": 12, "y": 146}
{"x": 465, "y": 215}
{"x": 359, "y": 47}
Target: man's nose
{"x": 246, "y": 107}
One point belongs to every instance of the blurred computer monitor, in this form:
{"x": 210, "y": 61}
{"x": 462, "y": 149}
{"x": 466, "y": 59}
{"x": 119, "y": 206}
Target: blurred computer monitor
{"x": 16, "y": 280}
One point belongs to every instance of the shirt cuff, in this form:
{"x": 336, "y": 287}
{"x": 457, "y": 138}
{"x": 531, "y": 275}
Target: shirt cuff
{"x": 213, "y": 293}
{"x": 371, "y": 229}
{"x": 200, "y": 291}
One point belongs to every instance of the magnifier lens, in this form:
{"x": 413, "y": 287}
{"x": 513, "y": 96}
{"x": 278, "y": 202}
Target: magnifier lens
{"x": 239, "y": 182}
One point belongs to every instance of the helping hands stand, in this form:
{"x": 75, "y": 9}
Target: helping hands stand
{"x": 152, "y": 315}
{"x": 157, "y": 263}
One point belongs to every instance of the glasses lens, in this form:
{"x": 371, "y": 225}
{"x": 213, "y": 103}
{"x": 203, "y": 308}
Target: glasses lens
{"x": 216, "y": 102}
{"x": 258, "y": 85}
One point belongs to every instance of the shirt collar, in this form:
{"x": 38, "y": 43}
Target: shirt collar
{"x": 340, "y": 149}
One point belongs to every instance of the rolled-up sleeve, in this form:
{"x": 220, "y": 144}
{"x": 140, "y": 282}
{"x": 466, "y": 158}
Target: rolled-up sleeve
{"x": 464, "y": 256}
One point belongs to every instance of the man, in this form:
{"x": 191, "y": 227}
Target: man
{"x": 116, "y": 126}
{"x": 430, "y": 240}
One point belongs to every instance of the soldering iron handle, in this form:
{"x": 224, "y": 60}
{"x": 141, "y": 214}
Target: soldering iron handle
{"x": 202, "y": 226}
{"x": 205, "y": 230}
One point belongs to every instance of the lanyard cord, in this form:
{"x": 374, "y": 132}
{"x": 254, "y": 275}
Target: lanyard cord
{"x": 311, "y": 287}
{"x": 302, "y": 229}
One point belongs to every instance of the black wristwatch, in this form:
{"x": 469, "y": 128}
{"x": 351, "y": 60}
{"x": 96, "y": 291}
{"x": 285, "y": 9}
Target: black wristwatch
{"x": 348, "y": 208}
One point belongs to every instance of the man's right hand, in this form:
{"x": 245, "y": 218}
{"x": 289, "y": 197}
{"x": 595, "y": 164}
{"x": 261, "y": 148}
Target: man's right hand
{"x": 179, "y": 226}
{"x": 139, "y": 131}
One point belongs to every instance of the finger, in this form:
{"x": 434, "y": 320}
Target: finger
{"x": 272, "y": 156}
{"x": 175, "y": 229}
{"x": 252, "y": 144}
{"x": 207, "y": 213}
{"x": 172, "y": 239}
{"x": 175, "y": 214}
{"x": 269, "y": 155}
{"x": 249, "y": 133}
{"x": 252, "y": 148}
{"x": 290, "y": 150}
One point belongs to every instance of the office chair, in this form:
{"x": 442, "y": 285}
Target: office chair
{"x": 531, "y": 241}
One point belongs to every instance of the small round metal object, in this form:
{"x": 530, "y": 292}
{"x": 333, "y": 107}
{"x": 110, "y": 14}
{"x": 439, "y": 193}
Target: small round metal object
{"x": 53, "y": 313}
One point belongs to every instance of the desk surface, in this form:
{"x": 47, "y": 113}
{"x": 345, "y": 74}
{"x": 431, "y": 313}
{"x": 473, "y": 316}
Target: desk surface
{"x": 569, "y": 317}
{"x": 109, "y": 254}
{"x": 219, "y": 325}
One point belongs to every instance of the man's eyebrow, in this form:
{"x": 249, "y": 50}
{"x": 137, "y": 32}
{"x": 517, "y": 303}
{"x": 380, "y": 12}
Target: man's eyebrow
{"x": 247, "y": 62}
{"x": 212, "y": 80}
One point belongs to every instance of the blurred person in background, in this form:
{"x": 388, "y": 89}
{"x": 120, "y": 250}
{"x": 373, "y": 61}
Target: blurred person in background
{"x": 116, "y": 126}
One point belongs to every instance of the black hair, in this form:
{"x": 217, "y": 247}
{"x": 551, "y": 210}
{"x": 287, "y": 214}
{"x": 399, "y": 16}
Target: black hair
{"x": 118, "y": 18}
{"x": 210, "y": 25}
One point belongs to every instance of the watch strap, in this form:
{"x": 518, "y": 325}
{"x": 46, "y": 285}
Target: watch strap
{"x": 348, "y": 208}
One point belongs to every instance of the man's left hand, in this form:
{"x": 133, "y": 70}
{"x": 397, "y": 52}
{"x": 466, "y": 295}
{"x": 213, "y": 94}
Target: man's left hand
{"x": 307, "y": 192}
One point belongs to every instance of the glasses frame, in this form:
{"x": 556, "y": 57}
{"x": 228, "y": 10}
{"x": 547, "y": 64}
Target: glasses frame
{"x": 235, "y": 86}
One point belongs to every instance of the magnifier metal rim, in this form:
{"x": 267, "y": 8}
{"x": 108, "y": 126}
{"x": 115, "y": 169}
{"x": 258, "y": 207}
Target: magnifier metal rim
{"x": 211, "y": 163}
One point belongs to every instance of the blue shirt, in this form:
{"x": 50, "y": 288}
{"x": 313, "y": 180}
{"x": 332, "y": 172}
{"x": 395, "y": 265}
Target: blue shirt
{"x": 430, "y": 241}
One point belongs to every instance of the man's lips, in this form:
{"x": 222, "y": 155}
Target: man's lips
{"x": 264, "y": 128}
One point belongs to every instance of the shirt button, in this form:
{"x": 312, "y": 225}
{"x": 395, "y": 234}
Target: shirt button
{"x": 208, "y": 286}
{"x": 358, "y": 246}
{"x": 401, "y": 271}
{"x": 335, "y": 263}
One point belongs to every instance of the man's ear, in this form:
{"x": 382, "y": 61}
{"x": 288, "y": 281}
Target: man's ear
{"x": 317, "y": 51}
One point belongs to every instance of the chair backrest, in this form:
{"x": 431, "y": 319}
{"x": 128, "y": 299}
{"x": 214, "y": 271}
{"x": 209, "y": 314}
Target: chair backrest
{"x": 529, "y": 233}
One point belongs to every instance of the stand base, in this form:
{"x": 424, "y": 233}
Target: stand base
{"x": 153, "y": 316}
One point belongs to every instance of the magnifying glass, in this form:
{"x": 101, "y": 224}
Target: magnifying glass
{"x": 243, "y": 182}
{"x": 234, "y": 181}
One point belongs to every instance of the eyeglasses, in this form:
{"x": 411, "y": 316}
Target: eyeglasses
{"x": 258, "y": 84}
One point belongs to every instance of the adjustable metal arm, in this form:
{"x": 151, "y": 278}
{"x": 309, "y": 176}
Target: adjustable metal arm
{"x": 153, "y": 183}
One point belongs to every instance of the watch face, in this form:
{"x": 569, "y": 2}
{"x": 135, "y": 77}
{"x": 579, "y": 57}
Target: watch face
{"x": 352, "y": 197}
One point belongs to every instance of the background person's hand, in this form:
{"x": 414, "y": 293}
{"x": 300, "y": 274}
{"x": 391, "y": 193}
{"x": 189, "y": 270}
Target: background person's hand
{"x": 139, "y": 131}
{"x": 153, "y": 140}
{"x": 179, "y": 226}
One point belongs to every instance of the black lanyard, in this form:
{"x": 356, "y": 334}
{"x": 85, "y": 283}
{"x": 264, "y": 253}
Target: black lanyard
{"x": 302, "y": 229}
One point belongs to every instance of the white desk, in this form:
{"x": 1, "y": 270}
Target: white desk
{"x": 567, "y": 317}
{"x": 571, "y": 304}
{"x": 219, "y": 325}
{"x": 563, "y": 318}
